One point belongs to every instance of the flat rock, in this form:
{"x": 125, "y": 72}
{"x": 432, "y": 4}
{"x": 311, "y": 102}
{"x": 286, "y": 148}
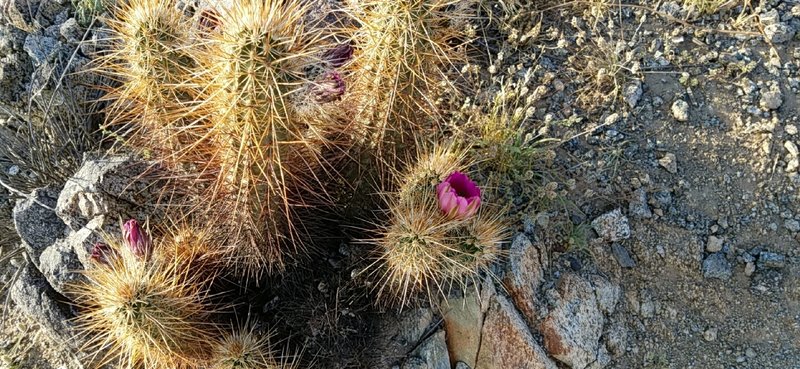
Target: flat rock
{"x": 36, "y": 222}
{"x": 638, "y": 207}
{"x": 430, "y": 354}
{"x": 612, "y": 226}
{"x": 779, "y": 32}
{"x": 573, "y": 327}
{"x": 669, "y": 162}
{"x": 463, "y": 320}
{"x": 771, "y": 260}
{"x": 622, "y": 256}
{"x": 714, "y": 244}
{"x": 507, "y": 342}
{"x": 524, "y": 275}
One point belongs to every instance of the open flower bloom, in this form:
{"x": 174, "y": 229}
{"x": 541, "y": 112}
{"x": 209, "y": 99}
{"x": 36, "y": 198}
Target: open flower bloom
{"x": 459, "y": 197}
{"x": 137, "y": 239}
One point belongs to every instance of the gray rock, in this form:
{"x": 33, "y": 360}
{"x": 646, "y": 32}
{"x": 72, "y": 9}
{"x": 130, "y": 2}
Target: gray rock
{"x": 714, "y": 244}
{"x": 638, "y": 205}
{"x": 770, "y": 17}
{"x": 680, "y": 110}
{"x": 669, "y": 162}
{"x": 34, "y": 296}
{"x": 771, "y": 97}
{"x": 60, "y": 266}
{"x": 430, "y": 354}
{"x": 36, "y": 222}
{"x": 461, "y": 365}
{"x": 612, "y": 226}
{"x": 771, "y": 260}
{"x": 572, "y": 330}
{"x": 402, "y": 333}
{"x": 716, "y": 266}
{"x": 607, "y": 293}
{"x": 791, "y": 148}
{"x": 749, "y": 268}
{"x": 779, "y": 33}
{"x": 40, "y": 48}
{"x": 113, "y": 186}
{"x": 616, "y": 339}
{"x": 710, "y": 334}
{"x": 792, "y": 225}
{"x": 622, "y": 256}
{"x": 71, "y": 31}
{"x": 632, "y": 93}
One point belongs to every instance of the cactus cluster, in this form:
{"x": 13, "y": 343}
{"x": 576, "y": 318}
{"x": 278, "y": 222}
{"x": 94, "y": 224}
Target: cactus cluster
{"x": 260, "y": 111}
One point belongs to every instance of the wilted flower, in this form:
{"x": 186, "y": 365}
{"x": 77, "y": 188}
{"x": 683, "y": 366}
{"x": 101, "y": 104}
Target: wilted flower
{"x": 459, "y": 197}
{"x": 339, "y": 55}
{"x": 102, "y": 253}
{"x": 329, "y": 87}
{"x": 138, "y": 240}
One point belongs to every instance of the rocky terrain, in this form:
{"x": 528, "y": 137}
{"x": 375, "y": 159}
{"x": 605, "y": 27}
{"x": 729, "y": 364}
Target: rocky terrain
{"x": 659, "y": 229}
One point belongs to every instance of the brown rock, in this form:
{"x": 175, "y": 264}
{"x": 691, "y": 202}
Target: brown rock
{"x": 523, "y": 277}
{"x": 507, "y": 342}
{"x": 463, "y": 321}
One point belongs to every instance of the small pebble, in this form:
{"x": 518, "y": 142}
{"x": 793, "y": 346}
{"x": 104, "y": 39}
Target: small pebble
{"x": 680, "y": 110}
{"x": 710, "y": 334}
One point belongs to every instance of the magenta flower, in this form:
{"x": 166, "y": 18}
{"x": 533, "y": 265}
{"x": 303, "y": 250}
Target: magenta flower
{"x": 102, "y": 253}
{"x": 329, "y": 87}
{"x": 137, "y": 239}
{"x": 459, "y": 197}
{"x": 338, "y": 55}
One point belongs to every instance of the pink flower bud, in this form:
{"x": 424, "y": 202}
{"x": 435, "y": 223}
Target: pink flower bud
{"x": 329, "y": 87}
{"x": 137, "y": 239}
{"x": 459, "y": 197}
{"x": 338, "y": 55}
{"x": 102, "y": 253}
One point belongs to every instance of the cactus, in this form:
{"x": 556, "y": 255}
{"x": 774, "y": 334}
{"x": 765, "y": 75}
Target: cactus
{"x": 150, "y": 58}
{"x": 244, "y": 348}
{"x": 143, "y": 312}
{"x": 265, "y": 154}
{"x": 426, "y": 248}
{"x": 404, "y": 51}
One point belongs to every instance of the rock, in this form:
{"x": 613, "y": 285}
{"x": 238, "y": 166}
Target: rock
{"x": 616, "y": 339}
{"x": 791, "y": 148}
{"x": 431, "y": 354}
{"x": 523, "y": 276}
{"x": 463, "y": 321}
{"x": 34, "y": 296}
{"x": 638, "y": 205}
{"x": 60, "y": 266}
{"x": 714, "y": 244}
{"x": 461, "y": 365}
{"x": 622, "y": 256}
{"x": 771, "y": 97}
{"x": 792, "y": 225}
{"x": 792, "y": 165}
{"x": 669, "y": 162}
{"x": 71, "y": 31}
{"x": 710, "y": 334}
{"x": 612, "y": 226}
{"x": 607, "y": 293}
{"x": 632, "y": 93}
{"x": 680, "y": 110}
{"x": 771, "y": 260}
{"x": 507, "y": 342}
{"x": 749, "y": 268}
{"x": 716, "y": 266}
{"x": 113, "y": 186}
{"x": 40, "y": 48}
{"x": 790, "y": 129}
{"x": 401, "y": 333}
{"x": 779, "y": 33}
{"x": 573, "y": 328}
{"x": 84, "y": 239}
{"x": 36, "y": 222}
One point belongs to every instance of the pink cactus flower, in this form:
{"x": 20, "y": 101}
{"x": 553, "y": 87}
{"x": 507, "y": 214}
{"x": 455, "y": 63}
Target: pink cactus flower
{"x": 338, "y": 55}
{"x": 102, "y": 253}
{"x": 138, "y": 240}
{"x": 329, "y": 87}
{"x": 459, "y": 197}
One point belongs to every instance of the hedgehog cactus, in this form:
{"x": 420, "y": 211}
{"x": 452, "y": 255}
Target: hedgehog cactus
{"x": 244, "y": 348}
{"x": 146, "y": 313}
{"x": 263, "y": 149}
{"x": 432, "y": 242}
{"x": 151, "y": 59}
